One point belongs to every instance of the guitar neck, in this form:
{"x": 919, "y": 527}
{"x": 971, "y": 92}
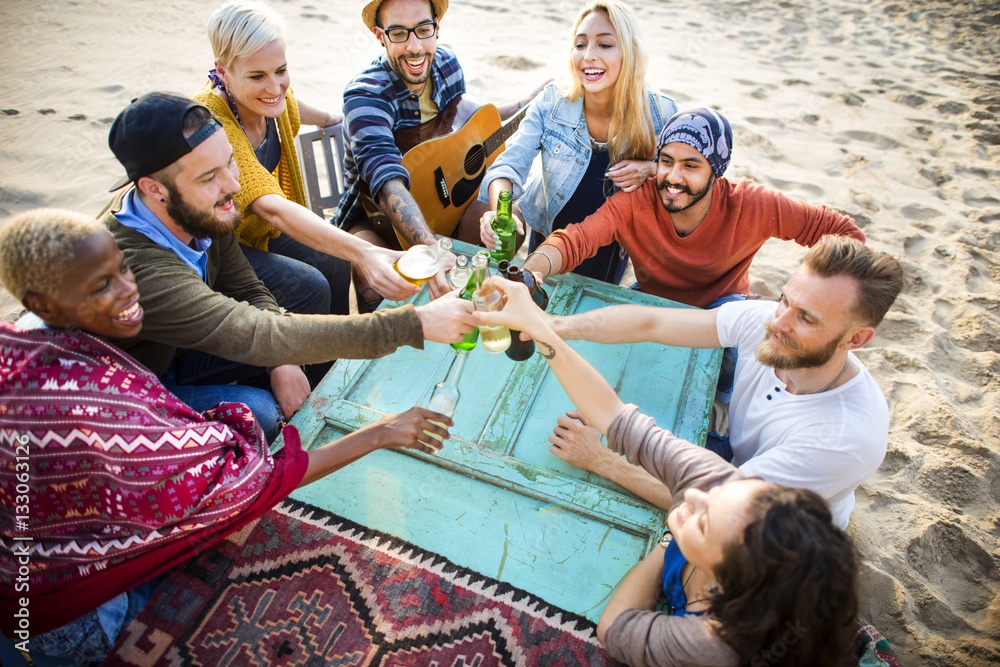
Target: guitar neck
{"x": 494, "y": 141}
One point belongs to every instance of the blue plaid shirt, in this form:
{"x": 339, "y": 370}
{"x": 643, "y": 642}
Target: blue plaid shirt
{"x": 376, "y": 103}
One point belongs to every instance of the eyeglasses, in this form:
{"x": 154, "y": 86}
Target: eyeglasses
{"x": 424, "y": 30}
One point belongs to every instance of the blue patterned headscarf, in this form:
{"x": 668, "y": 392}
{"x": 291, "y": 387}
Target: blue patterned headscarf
{"x": 706, "y": 130}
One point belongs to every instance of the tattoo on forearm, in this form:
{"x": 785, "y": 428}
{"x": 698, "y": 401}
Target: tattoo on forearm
{"x": 548, "y": 352}
{"x": 397, "y": 203}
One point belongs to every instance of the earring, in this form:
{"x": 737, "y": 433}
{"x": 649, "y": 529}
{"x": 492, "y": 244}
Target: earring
{"x": 713, "y": 589}
{"x": 162, "y": 200}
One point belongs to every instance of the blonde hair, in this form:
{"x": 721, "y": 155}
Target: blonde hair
{"x": 239, "y": 29}
{"x": 631, "y": 135}
{"x": 879, "y": 275}
{"x": 36, "y": 247}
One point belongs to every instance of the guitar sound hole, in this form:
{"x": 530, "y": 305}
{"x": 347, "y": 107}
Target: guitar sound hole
{"x": 475, "y": 159}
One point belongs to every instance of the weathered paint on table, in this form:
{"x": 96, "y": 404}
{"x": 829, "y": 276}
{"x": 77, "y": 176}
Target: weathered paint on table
{"x": 494, "y": 499}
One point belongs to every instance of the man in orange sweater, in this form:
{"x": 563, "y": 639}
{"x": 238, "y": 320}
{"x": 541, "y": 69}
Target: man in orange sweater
{"x": 692, "y": 233}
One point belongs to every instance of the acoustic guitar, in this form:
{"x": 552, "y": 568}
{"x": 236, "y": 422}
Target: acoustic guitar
{"x": 447, "y": 158}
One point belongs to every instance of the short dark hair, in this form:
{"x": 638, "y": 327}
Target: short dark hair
{"x": 788, "y": 584}
{"x": 195, "y": 119}
{"x": 879, "y": 275}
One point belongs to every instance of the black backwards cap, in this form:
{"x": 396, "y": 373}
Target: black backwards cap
{"x": 149, "y": 134}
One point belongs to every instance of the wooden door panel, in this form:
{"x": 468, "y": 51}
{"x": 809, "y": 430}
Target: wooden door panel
{"x": 495, "y": 499}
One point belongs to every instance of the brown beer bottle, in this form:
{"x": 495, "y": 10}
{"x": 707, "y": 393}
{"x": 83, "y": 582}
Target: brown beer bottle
{"x": 519, "y": 350}
{"x": 538, "y": 295}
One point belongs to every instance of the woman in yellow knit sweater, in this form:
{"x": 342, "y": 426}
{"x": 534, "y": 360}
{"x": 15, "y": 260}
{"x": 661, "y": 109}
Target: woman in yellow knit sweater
{"x": 249, "y": 92}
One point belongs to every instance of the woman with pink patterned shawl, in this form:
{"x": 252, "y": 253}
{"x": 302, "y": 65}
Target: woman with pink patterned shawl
{"x": 107, "y": 479}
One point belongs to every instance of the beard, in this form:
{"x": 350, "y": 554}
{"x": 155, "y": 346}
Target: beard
{"x": 675, "y": 206}
{"x": 397, "y": 65}
{"x": 200, "y": 223}
{"x": 796, "y": 357}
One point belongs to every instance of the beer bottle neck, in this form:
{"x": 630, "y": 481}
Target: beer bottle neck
{"x": 503, "y": 207}
{"x": 457, "y": 366}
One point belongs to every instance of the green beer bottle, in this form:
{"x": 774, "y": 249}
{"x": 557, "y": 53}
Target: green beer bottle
{"x": 481, "y": 259}
{"x": 504, "y": 226}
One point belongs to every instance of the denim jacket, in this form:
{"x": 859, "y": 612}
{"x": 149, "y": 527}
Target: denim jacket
{"x": 558, "y": 129}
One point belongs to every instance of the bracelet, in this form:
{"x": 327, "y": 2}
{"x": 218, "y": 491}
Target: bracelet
{"x": 539, "y": 252}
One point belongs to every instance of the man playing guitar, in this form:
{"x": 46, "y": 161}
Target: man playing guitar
{"x": 410, "y": 85}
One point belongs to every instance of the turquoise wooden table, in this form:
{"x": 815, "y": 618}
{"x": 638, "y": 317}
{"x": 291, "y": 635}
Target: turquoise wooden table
{"x": 494, "y": 499}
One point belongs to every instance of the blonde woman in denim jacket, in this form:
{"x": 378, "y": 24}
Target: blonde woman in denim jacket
{"x": 596, "y": 133}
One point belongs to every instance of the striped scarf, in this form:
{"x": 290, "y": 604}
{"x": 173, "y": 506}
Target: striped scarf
{"x": 107, "y": 479}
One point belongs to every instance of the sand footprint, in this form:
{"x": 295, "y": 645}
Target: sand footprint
{"x": 919, "y": 213}
{"x": 518, "y": 63}
{"x": 773, "y": 122}
{"x": 956, "y": 569}
{"x": 949, "y": 482}
{"x": 900, "y": 328}
{"x": 943, "y": 311}
{"x": 879, "y": 140}
{"x": 978, "y": 198}
{"x": 814, "y": 191}
{"x": 916, "y": 246}
{"x": 981, "y": 277}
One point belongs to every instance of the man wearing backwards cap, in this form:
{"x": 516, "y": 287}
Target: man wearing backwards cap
{"x": 405, "y": 87}
{"x": 175, "y": 227}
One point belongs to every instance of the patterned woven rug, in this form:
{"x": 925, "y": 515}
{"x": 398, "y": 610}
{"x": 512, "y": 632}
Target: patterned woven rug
{"x": 302, "y": 586}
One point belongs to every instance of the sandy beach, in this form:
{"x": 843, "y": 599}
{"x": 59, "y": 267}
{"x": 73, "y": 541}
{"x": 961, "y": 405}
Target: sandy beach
{"x": 888, "y": 111}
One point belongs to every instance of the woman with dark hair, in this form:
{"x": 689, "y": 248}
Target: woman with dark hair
{"x": 747, "y": 573}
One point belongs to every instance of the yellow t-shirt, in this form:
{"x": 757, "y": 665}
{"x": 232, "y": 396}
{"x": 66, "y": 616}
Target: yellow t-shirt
{"x": 428, "y": 108}
{"x": 428, "y": 112}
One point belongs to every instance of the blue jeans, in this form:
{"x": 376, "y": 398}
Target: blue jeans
{"x": 301, "y": 279}
{"x": 720, "y": 445}
{"x": 89, "y": 638}
{"x": 202, "y": 380}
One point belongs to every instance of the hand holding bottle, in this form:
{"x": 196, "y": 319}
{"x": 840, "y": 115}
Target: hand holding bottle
{"x": 519, "y": 313}
{"x": 446, "y": 320}
{"x": 438, "y": 285}
{"x": 494, "y": 338}
{"x": 411, "y": 428}
{"x": 376, "y": 267}
{"x": 490, "y": 239}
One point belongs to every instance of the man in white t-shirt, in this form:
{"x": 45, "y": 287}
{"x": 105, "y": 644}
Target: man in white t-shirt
{"x": 805, "y": 412}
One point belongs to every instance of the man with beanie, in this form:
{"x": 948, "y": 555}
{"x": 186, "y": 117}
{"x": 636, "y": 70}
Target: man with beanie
{"x": 692, "y": 233}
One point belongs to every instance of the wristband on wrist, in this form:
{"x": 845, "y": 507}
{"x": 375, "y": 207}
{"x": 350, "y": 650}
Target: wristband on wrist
{"x": 545, "y": 255}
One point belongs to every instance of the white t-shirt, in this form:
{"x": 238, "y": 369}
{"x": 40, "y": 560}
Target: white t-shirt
{"x": 828, "y": 442}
